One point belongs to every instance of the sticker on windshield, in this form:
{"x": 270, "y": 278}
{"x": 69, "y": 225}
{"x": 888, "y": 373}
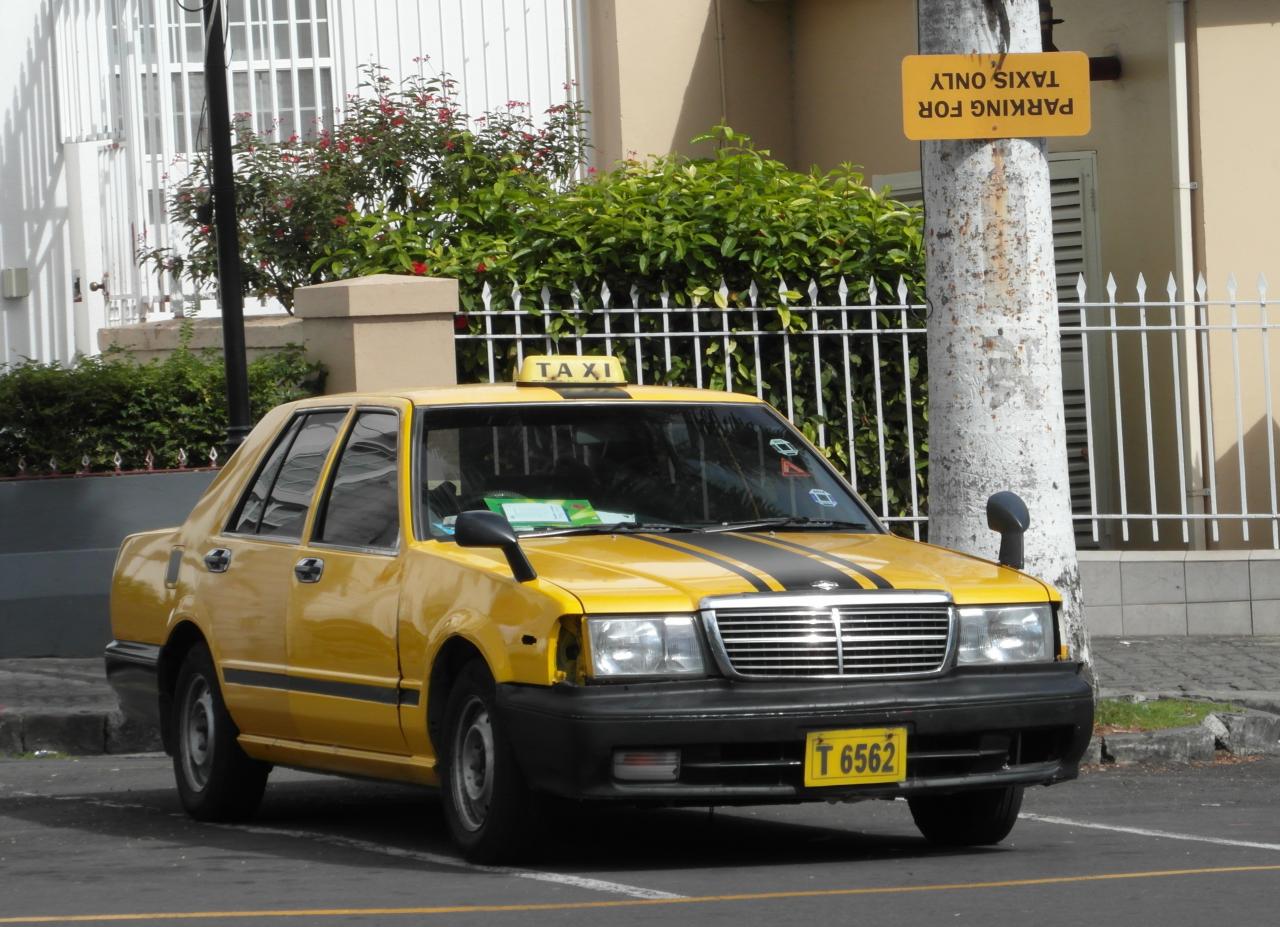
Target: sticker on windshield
{"x": 544, "y": 513}
{"x": 823, "y": 498}
{"x": 784, "y": 447}
{"x": 790, "y": 470}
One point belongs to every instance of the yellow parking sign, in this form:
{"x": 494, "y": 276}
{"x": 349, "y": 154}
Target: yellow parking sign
{"x": 1021, "y": 95}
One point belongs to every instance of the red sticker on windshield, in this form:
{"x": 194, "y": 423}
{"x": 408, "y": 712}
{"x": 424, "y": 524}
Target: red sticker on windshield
{"x": 791, "y": 470}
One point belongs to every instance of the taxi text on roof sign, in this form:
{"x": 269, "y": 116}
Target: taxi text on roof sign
{"x": 570, "y": 370}
{"x": 995, "y": 96}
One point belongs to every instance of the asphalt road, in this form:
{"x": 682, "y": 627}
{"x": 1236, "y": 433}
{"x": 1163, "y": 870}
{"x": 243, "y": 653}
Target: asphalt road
{"x": 102, "y": 839}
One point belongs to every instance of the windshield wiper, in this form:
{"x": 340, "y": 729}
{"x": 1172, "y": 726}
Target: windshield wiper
{"x": 620, "y": 527}
{"x": 788, "y": 521}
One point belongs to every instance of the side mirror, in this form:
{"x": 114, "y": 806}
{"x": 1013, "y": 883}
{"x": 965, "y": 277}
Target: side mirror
{"x": 1007, "y": 514}
{"x": 481, "y": 528}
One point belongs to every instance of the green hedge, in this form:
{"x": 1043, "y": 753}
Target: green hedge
{"x": 106, "y": 405}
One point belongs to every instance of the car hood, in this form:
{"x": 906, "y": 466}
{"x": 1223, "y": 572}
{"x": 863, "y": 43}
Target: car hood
{"x": 675, "y": 572}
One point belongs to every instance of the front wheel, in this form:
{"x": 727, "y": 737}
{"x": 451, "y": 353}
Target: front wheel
{"x": 967, "y": 819}
{"x": 487, "y": 806}
{"x": 216, "y": 780}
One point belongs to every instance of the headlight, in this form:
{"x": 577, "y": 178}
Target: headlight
{"x": 665, "y": 645}
{"x": 1006, "y": 634}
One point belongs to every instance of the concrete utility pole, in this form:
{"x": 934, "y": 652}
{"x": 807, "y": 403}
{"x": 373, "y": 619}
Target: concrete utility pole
{"x": 995, "y": 363}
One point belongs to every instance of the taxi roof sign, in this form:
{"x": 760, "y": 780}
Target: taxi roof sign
{"x": 570, "y": 370}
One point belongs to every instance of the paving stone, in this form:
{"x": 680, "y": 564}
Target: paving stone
{"x": 1176, "y": 745}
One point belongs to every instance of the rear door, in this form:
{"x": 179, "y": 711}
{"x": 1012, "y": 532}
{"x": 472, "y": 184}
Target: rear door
{"x": 248, "y": 573}
{"x": 342, "y": 644}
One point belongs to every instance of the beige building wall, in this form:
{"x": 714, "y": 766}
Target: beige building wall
{"x": 665, "y": 71}
{"x": 1236, "y": 68}
{"x": 818, "y": 82}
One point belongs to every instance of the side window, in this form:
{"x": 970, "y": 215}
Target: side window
{"x": 249, "y": 512}
{"x": 290, "y": 497}
{"x": 362, "y": 508}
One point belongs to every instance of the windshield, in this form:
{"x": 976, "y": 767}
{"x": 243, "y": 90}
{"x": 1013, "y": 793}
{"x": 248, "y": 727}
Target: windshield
{"x": 615, "y": 467}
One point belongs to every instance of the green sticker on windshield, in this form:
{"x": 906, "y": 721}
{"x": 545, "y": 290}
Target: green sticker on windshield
{"x": 544, "y": 513}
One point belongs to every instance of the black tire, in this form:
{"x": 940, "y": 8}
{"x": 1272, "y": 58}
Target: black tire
{"x": 488, "y": 807}
{"x": 967, "y": 819}
{"x": 217, "y": 781}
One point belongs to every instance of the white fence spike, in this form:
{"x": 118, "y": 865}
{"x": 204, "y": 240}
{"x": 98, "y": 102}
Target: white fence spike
{"x": 724, "y": 291}
{"x": 1111, "y": 288}
{"x": 605, "y": 294}
{"x": 1142, "y": 288}
{"x": 1232, "y": 287}
{"x": 486, "y": 296}
{"x": 813, "y": 292}
{"x": 1171, "y": 288}
{"x": 843, "y": 291}
{"x": 753, "y": 294}
{"x": 782, "y": 291}
{"x": 516, "y": 297}
{"x": 635, "y": 296}
{"x": 1081, "y": 287}
{"x": 1262, "y": 287}
{"x": 1202, "y": 288}
{"x": 575, "y": 296}
{"x": 902, "y": 290}
{"x": 665, "y": 298}
{"x": 873, "y": 292}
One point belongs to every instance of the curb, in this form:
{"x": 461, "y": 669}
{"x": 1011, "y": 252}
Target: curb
{"x": 1251, "y": 732}
{"x": 75, "y": 733}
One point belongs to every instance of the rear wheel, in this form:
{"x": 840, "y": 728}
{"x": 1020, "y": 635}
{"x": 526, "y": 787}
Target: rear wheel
{"x": 487, "y": 805}
{"x": 967, "y": 818}
{"x": 216, "y": 780}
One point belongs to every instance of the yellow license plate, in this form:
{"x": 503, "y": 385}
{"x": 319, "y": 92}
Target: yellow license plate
{"x": 855, "y": 757}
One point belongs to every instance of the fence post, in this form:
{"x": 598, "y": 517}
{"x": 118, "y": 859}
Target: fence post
{"x": 381, "y": 332}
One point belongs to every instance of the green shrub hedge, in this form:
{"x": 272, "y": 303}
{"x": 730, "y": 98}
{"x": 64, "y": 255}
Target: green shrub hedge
{"x": 108, "y": 405}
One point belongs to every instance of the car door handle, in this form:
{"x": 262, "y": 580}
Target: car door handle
{"x": 309, "y": 569}
{"x": 217, "y": 560}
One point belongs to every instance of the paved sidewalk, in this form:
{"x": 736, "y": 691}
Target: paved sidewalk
{"x": 65, "y": 705}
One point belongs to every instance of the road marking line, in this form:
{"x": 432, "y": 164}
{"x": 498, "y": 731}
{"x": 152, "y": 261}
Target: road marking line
{"x": 629, "y": 902}
{"x": 368, "y": 846}
{"x": 1145, "y": 832}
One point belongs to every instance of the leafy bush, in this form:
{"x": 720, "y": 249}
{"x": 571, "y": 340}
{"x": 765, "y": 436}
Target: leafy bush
{"x": 108, "y": 405}
{"x": 681, "y": 226}
{"x": 401, "y": 148}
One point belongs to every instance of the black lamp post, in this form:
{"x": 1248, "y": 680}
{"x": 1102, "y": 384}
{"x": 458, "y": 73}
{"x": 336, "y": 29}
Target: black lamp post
{"x": 230, "y": 288}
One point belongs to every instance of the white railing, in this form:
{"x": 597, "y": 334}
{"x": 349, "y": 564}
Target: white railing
{"x": 848, "y": 374}
{"x": 1167, "y": 435}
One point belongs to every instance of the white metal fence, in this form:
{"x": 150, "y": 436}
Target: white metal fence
{"x": 1169, "y": 406}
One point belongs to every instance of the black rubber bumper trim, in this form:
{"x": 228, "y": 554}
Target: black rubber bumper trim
{"x": 133, "y": 670}
{"x": 564, "y": 736}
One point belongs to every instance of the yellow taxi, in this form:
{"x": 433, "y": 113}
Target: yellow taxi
{"x": 569, "y": 587}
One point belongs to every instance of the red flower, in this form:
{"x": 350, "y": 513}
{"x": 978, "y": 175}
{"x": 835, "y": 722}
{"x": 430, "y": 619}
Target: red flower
{"x": 342, "y": 146}
{"x": 481, "y": 268}
{"x": 339, "y": 220}
{"x": 205, "y": 229}
{"x": 450, "y": 144}
{"x": 419, "y": 268}
{"x": 399, "y": 121}
{"x": 288, "y": 202}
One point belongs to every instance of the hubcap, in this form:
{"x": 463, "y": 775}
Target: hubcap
{"x": 472, "y": 765}
{"x": 196, "y": 740}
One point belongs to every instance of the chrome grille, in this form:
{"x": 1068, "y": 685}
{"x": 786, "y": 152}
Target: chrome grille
{"x": 837, "y": 640}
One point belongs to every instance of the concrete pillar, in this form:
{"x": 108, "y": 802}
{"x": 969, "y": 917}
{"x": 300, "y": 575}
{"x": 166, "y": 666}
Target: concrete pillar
{"x": 381, "y": 332}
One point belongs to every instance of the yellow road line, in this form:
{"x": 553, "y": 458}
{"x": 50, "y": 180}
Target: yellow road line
{"x": 628, "y": 902}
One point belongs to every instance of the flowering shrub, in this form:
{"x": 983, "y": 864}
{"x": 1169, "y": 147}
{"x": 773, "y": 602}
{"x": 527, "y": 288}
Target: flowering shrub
{"x": 399, "y": 148}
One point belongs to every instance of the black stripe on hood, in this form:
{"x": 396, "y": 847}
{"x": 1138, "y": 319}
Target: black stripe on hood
{"x": 793, "y": 570}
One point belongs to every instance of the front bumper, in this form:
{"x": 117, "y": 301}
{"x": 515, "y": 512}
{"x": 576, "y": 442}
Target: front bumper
{"x": 744, "y": 742}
